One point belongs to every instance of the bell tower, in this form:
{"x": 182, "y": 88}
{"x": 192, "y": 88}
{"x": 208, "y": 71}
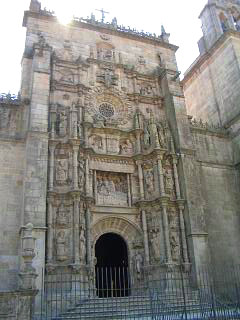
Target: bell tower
{"x": 217, "y": 17}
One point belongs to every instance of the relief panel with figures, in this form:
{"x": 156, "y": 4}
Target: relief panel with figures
{"x": 112, "y": 189}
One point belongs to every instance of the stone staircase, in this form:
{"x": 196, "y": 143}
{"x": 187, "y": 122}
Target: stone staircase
{"x": 133, "y": 307}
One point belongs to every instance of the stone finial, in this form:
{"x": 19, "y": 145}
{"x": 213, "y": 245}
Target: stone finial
{"x": 165, "y": 36}
{"x": 35, "y": 6}
{"x": 28, "y": 274}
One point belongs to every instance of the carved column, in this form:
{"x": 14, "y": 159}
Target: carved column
{"x": 53, "y": 117}
{"x": 129, "y": 190}
{"x": 145, "y": 235}
{"x": 51, "y": 166}
{"x": 161, "y": 178}
{"x": 166, "y": 234}
{"x": 95, "y": 184}
{"x": 87, "y": 185}
{"x": 138, "y": 142}
{"x": 88, "y": 235}
{"x": 183, "y": 234}
{"x": 50, "y": 232}
{"x": 75, "y": 166}
{"x": 140, "y": 176}
{"x": 175, "y": 172}
{"x": 76, "y": 230}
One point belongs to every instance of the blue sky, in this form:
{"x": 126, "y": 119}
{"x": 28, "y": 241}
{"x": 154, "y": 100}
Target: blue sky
{"x": 180, "y": 18}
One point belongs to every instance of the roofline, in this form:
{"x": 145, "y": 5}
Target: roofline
{"x": 203, "y": 58}
{"x": 100, "y": 27}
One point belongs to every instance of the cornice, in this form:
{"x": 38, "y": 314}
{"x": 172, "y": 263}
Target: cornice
{"x": 100, "y": 28}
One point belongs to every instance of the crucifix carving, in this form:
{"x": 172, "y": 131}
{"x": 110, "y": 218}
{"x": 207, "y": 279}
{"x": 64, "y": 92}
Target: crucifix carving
{"x": 103, "y": 14}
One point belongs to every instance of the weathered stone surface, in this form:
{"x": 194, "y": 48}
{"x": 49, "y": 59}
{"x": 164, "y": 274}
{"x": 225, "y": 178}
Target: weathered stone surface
{"x": 101, "y": 142}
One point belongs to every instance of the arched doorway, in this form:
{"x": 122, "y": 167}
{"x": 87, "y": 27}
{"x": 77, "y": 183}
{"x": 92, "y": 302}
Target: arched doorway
{"x": 112, "y": 276}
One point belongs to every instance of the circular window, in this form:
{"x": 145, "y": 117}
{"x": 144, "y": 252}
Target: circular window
{"x": 106, "y": 110}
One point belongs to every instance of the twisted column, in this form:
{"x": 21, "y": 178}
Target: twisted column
{"x": 140, "y": 176}
{"x": 161, "y": 177}
{"x": 76, "y": 231}
{"x": 145, "y": 236}
{"x": 183, "y": 235}
{"x": 75, "y": 167}
{"x": 175, "y": 173}
{"x": 51, "y": 166}
{"x": 50, "y": 232}
{"x": 166, "y": 234}
{"x": 88, "y": 236}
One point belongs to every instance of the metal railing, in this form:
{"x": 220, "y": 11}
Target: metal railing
{"x": 155, "y": 293}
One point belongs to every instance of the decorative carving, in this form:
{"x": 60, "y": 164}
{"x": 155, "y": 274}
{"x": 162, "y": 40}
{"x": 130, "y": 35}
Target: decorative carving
{"x": 175, "y": 247}
{"x": 149, "y": 181}
{"x": 141, "y": 60}
{"x": 138, "y": 264}
{"x": 108, "y": 108}
{"x": 62, "y": 171}
{"x": 155, "y": 242}
{"x": 81, "y": 174}
{"x": 61, "y": 122}
{"x": 126, "y": 147}
{"x": 7, "y": 306}
{"x": 61, "y": 245}
{"x": 169, "y": 184}
{"x": 146, "y": 90}
{"x": 96, "y": 142}
{"x": 82, "y": 245}
{"x": 62, "y": 216}
{"x": 107, "y": 77}
{"x": 111, "y": 188}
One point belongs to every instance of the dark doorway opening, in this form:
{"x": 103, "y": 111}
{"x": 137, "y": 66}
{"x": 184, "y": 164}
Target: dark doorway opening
{"x": 112, "y": 276}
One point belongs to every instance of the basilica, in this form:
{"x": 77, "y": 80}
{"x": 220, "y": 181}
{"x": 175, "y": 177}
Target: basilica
{"x": 108, "y": 160}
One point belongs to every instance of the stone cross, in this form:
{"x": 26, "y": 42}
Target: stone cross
{"x": 103, "y": 14}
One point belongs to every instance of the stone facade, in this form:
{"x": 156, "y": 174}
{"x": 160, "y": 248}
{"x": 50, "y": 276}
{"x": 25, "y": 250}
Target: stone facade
{"x": 100, "y": 141}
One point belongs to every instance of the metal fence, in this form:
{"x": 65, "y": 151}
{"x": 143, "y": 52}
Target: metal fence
{"x": 156, "y": 294}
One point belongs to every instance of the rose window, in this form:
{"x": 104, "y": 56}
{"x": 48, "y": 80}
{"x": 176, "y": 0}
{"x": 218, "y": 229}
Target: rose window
{"x": 106, "y": 110}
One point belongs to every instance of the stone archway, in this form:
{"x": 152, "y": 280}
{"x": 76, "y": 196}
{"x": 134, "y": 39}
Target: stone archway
{"x": 113, "y": 269}
{"x": 128, "y": 230}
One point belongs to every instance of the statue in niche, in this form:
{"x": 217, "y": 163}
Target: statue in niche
{"x": 62, "y": 171}
{"x": 149, "y": 181}
{"x": 138, "y": 120}
{"x": 81, "y": 174}
{"x": 161, "y": 136}
{"x": 169, "y": 184}
{"x": 126, "y": 147}
{"x": 146, "y": 137}
{"x": 175, "y": 248}
{"x": 61, "y": 243}
{"x": 62, "y": 215}
{"x": 138, "y": 264}
{"x": 82, "y": 241}
{"x": 97, "y": 142}
{"x": 111, "y": 189}
{"x": 146, "y": 91}
{"x": 156, "y": 245}
{"x": 62, "y": 123}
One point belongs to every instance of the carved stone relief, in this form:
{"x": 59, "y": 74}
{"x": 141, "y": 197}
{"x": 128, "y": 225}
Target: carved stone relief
{"x": 96, "y": 142}
{"x": 62, "y": 216}
{"x": 63, "y": 166}
{"x": 62, "y": 245}
{"x": 7, "y": 305}
{"x": 111, "y": 188}
{"x": 108, "y": 109}
{"x": 174, "y": 234}
{"x": 149, "y": 182}
{"x": 126, "y": 147}
{"x": 82, "y": 245}
{"x": 81, "y": 174}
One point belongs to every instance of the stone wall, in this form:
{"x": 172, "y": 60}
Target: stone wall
{"x": 211, "y": 86}
{"x": 220, "y": 189}
{"x": 12, "y": 170}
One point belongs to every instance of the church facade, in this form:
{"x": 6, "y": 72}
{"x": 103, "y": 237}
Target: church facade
{"x": 100, "y": 147}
